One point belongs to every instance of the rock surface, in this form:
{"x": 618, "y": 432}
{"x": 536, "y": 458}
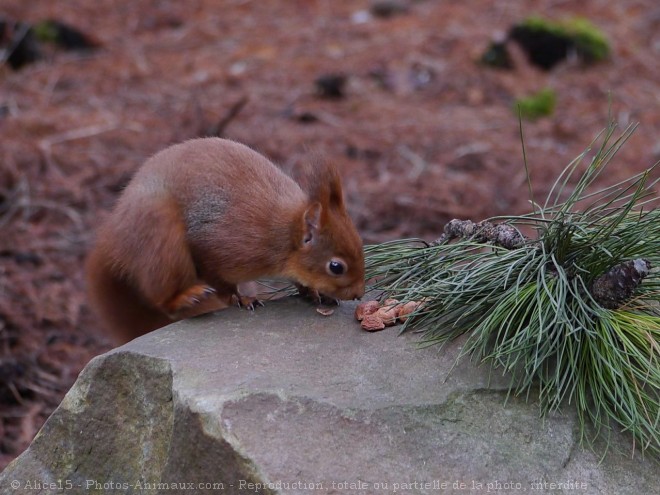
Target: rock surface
{"x": 284, "y": 400}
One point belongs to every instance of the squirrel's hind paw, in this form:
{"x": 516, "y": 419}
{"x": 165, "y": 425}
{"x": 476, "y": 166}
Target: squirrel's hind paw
{"x": 189, "y": 298}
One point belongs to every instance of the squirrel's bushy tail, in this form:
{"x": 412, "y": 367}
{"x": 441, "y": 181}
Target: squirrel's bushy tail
{"x": 120, "y": 307}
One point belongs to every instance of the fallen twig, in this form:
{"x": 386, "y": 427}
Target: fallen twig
{"x": 219, "y": 129}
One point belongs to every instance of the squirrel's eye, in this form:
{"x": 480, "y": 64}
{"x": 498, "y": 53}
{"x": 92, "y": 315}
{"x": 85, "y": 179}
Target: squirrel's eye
{"x": 336, "y": 267}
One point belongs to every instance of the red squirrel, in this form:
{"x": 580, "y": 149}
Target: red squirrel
{"x": 201, "y": 217}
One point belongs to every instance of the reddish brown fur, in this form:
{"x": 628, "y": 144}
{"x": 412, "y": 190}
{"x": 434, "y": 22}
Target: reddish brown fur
{"x": 211, "y": 212}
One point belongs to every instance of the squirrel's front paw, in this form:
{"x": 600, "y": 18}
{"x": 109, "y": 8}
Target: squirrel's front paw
{"x": 247, "y": 302}
{"x": 315, "y": 296}
{"x": 188, "y": 298}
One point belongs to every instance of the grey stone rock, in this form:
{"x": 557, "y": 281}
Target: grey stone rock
{"x": 284, "y": 400}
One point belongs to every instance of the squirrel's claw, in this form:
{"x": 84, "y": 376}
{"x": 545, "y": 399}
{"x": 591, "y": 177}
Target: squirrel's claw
{"x": 247, "y": 302}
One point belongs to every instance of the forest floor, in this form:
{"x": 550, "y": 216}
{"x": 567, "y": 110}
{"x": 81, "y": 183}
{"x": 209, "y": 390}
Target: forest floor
{"x": 422, "y": 133}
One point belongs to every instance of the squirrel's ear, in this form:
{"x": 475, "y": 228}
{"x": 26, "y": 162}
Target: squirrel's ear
{"x": 323, "y": 184}
{"x": 335, "y": 195}
{"x": 311, "y": 223}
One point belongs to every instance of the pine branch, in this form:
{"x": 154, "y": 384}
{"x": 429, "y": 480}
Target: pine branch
{"x": 574, "y": 312}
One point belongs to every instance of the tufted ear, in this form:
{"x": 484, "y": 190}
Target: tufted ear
{"x": 311, "y": 224}
{"x": 322, "y": 184}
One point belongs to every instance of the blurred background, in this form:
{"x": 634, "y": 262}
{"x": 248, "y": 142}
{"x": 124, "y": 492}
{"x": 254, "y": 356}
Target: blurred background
{"x": 415, "y": 102}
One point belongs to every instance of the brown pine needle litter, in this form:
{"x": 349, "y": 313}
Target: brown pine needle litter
{"x": 573, "y": 312}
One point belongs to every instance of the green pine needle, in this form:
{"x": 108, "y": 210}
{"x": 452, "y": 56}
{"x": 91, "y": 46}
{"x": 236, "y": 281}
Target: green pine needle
{"x": 531, "y": 311}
